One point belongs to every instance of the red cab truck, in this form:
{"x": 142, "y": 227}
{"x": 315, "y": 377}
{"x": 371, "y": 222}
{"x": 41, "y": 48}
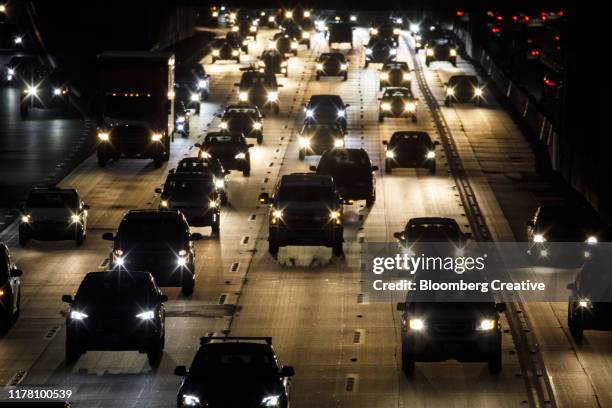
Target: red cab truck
{"x": 134, "y": 105}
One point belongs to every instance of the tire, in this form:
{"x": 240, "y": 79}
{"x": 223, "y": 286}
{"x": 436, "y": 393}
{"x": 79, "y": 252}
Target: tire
{"x": 197, "y": 109}
{"x": 246, "y": 171}
{"x": 494, "y": 364}
{"x": 576, "y": 327}
{"x": 427, "y": 62}
{"x": 286, "y": 74}
{"x": 23, "y": 111}
{"x": 302, "y": 154}
{"x": 414, "y": 119}
{"x": 371, "y": 200}
{"x": 381, "y": 118}
{"x": 454, "y": 63}
{"x": 23, "y": 240}
{"x": 216, "y": 228}
{"x": 187, "y": 287}
{"x": 388, "y": 168}
{"x": 158, "y": 160}
{"x": 259, "y": 138}
{"x": 337, "y": 248}
{"x": 214, "y": 60}
{"x": 102, "y": 159}
{"x": 447, "y": 102}
{"x": 273, "y": 247}
{"x": 237, "y": 60}
{"x": 318, "y": 77}
{"x": 408, "y": 365}
{"x": 366, "y": 64}
{"x": 205, "y": 95}
{"x": 224, "y": 198}
{"x": 345, "y": 76}
{"x": 73, "y": 353}
{"x": 276, "y": 110}
{"x": 432, "y": 169}
{"x": 155, "y": 353}
{"x": 80, "y": 237}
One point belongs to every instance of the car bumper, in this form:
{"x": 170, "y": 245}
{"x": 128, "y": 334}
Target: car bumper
{"x": 200, "y": 216}
{"x": 354, "y": 193}
{"x": 410, "y": 163}
{"x": 142, "y": 336}
{"x": 469, "y": 348}
{"x": 306, "y": 236}
{"x": 50, "y": 231}
{"x": 148, "y": 150}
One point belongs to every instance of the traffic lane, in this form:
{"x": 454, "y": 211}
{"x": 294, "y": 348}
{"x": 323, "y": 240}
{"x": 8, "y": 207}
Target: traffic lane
{"x": 213, "y": 277}
{"x": 314, "y": 312}
{"x": 511, "y": 189}
{"x": 40, "y": 149}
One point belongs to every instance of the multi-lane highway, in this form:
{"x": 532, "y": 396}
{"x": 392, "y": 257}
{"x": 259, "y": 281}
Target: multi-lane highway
{"x": 344, "y": 347}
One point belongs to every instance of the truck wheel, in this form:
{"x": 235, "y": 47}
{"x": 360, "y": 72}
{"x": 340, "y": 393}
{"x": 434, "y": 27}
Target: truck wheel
{"x": 414, "y": 119}
{"x": 286, "y": 74}
{"x": 381, "y": 118}
{"x": 205, "y": 95}
{"x": 80, "y": 237}
{"x": 371, "y": 200}
{"x": 454, "y": 63}
{"x": 318, "y": 77}
{"x": 302, "y": 154}
{"x": 495, "y": 362}
{"x": 155, "y": 353}
{"x": 214, "y": 60}
{"x": 432, "y": 169}
{"x": 276, "y": 110}
{"x": 102, "y": 159}
{"x": 576, "y": 328}
{"x": 388, "y": 168}
{"x": 23, "y": 111}
{"x": 72, "y": 351}
{"x": 427, "y": 62}
{"x": 197, "y": 109}
{"x": 345, "y": 76}
{"x": 216, "y": 227}
{"x": 187, "y": 287}
{"x": 337, "y": 248}
{"x": 246, "y": 170}
{"x": 408, "y": 365}
{"x": 366, "y": 64}
{"x": 273, "y": 247}
{"x": 447, "y": 102}
{"x": 238, "y": 60}
{"x": 158, "y": 160}
{"x": 259, "y": 138}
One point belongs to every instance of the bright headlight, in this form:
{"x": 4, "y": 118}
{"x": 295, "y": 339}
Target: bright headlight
{"x": 374, "y": 31}
{"x": 103, "y": 136}
{"x": 257, "y": 125}
{"x": 119, "y": 260}
{"x": 399, "y": 20}
{"x": 18, "y": 40}
{"x": 353, "y": 18}
{"x": 284, "y": 64}
{"x": 223, "y": 125}
{"x": 156, "y": 137}
{"x": 406, "y": 76}
{"x": 319, "y": 65}
{"x": 219, "y": 183}
{"x": 57, "y": 91}
{"x": 304, "y": 142}
{"x": 190, "y": 401}
{"x": 215, "y": 14}
{"x": 212, "y": 203}
{"x": 341, "y": 113}
{"x": 478, "y": 91}
{"x": 396, "y": 31}
{"x": 201, "y": 84}
{"x": 418, "y": 44}
{"x": 272, "y": 96}
{"x": 31, "y": 90}
{"x": 25, "y": 218}
{"x": 277, "y": 213}
{"x": 272, "y": 44}
{"x": 289, "y": 14}
{"x": 11, "y": 71}
{"x": 243, "y": 96}
{"x": 453, "y": 52}
{"x": 368, "y": 51}
{"x": 584, "y": 302}
{"x": 271, "y": 19}
{"x": 393, "y": 51}
{"x": 431, "y": 155}
{"x": 384, "y": 76}
{"x": 429, "y": 52}
{"x": 261, "y": 63}
{"x": 309, "y": 113}
{"x": 235, "y": 53}
{"x": 195, "y": 97}
{"x": 414, "y": 28}
{"x": 305, "y": 35}
{"x": 75, "y": 218}
{"x": 539, "y": 238}
{"x": 294, "y": 45}
{"x": 164, "y": 203}
{"x": 215, "y": 53}
{"x": 180, "y": 119}
{"x": 389, "y": 154}
{"x": 591, "y": 240}
{"x": 148, "y": 315}
{"x": 416, "y": 324}
{"x": 450, "y": 91}
{"x": 410, "y": 106}
{"x": 76, "y": 315}
{"x": 338, "y": 143}
{"x": 385, "y": 106}
{"x": 240, "y": 156}
{"x": 334, "y": 215}
{"x": 271, "y": 401}
{"x": 343, "y": 67}
{"x": 307, "y": 14}
{"x": 252, "y": 29}
{"x": 486, "y": 324}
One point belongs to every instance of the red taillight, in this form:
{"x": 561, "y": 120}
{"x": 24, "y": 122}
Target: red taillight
{"x": 499, "y": 18}
{"x": 561, "y": 13}
{"x": 495, "y": 30}
{"x": 514, "y": 18}
{"x": 535, "y": 53}
{"x": 548, "y": 82}
{"x": 526, "y": 18}
{"x": 460, "y": 13}
{"x": 557, "y": 38}
{"x": 544, "y": 17}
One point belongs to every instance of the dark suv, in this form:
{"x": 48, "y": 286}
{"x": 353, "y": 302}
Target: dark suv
{"x": 259, "y": 89}
{"x": 53, "y": 214}
{"x": 317, "y": 138}
{"x": 235, "y": 371}
{"x": 157, "y": 241}
{"x": 116, "y": 311}
{"x": 231, "y": 149}
{"x": 305, "y": 209}
{"x": 205, "y": 165}
{"x": 441, "y": 49}
{"x": 380, "y": 50}
{"x": 463, "y": 89}
{"x": 410, "y": 149}
{"x": 326, "y": 109}
{"x": 44, "y": 89}
{"x": 243, "y": 118}
{"x": 332, "y": 64}
{"x": 353, "y": 173}
{"x": 10, "y": 288}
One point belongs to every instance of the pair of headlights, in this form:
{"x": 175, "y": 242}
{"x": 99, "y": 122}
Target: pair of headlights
{"x": 390, "y": 154}
{"x": 271, "y": 401}
{"x": 385, "y": 76}
{"x": 483, "y": 325}
{"x": 74, "y": 219}
{"x": 410, "y": 106}
{"x": 146, "y": 315}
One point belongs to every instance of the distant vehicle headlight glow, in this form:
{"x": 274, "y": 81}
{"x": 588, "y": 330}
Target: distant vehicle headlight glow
{"x": 194, "y": 97}
{"x": 338, "y": 143}
{"x": 257, "y": 125}
{"x": 25, "y": 218}
{"x": 190, "y": 401}
{"x": 478, "y": 91}
{"x": 57, "y": 91}
{"x": 374, "y": 31}
{"x": 486, "y": 325}
{"x": 415, "y": 28}
{"x": 235, "y": 53}
{"x": 341, "y": 113}
{"x": 75, "y": 219}
{"x": 591, "y": 240}
{"x": 305, "y": 35}
{"x": 31, "y": 90}
{"x": 272, "y": 96}
{"x": 384, "y": 76}
{"x": 156, "y": 137}
{"x": 212, "y": 204}
{"x": 240, "y": 156}
{"x": 148, "y": 315}
{"x": 271, "y": 401}
{"x": 385, "y": 106}
{"x": 431, "y": 155}
{"x": 429, "y": 52}
{"x": 396, "y": 31}
{"x": 539, "y": 238}
{"x": 164, "y": 203}
{"x": 18, "y": 40}
{"x": 120, "y": 260}
{"x": 294, "y": 45}
{"x": 215, "y": 53}
{"x": 223, "y": 125}
{"x": 103, "y": 136}
{"x": 453, "y": 52}
{"x": 450, "y": 91}
{"x": 219, "y": 183}
{"x": 393, "y": 51}
{"x": 353, "y": 18}
{"x": 410, "y": 106}
{"x": 319, "y": 66}
{"x": 180, "y": 119}
{"x": 307, "y": 14}
{"x": 243, "y": 96}
{"x": 309, "y": 113}
{"x": 343, "y": 67}
{"x": 11, "y": 71}
{"x": 389, "y": 154}
{"x": 399, "y": 20}
{"x": 304, "y": 142}
{"x": 406, "y": 76}
{"x": 76, "y": 315}
{"x": 368, "y": 51}
{"x": 334, "y": 215}
{"x": 416, "y": 324}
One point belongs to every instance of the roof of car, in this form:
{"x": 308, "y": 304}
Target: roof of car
{"x": 153, "y": 213}
{"x": 56, "y": 190}
{"x": 332, "y": 54}
{"x": 325, "y": 97}
{"x": 432, "y": 220}
{"x": 307, "y": 179}
{"x": 410, "y": 133}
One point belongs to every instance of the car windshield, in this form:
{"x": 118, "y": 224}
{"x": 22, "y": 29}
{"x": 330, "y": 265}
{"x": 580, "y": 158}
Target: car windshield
{"x": 224, "y": 140}
{"x": 305, "y": 193}
{"x": 248, "y": 111}
{"x": 201, "y": 184}
{"x": 321, "y": 128}
{"x": 133, "y": 106}
{"x": 325, "y": 57}
{"x": 433, "y": 231}
{"x": 397, "y": 93}
{"x": 332, "y": 100}
{"x": 232, "y": 362}
{"x": 395, "y": 66}
{"x": 197, "y": 165}
{"x": 442, "y": 41}
{"x": 345, "y": 161}
{"x": 409, "y": 139}
{"x": 154, "y": 230}
{"x": 103, "y": 288}
{"x": 22, "y": 62}
{"x": 253, "y": 79}
{"x": 464, "y": 81}
{"x": 52, "y": 200}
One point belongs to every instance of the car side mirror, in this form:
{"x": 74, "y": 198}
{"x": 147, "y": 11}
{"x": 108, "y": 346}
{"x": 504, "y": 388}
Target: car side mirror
{"x": 180, "y": 371}
{"x": 446, "y": 84}
{"x": 264, "y": 198}
{"x": 195, "y": 236}
{"x": 287, "y": 371}
{"x": 163, "y": 298}
{"x": 67, "y": 299}
{"x": 108, "y": 236}
{"x": 197, "y": 145}
{"x": 398, "y": 235}
{"x": 385, "y": 142}
{"x": 280, "y": 85}
{"x": 347, "y": 106}
{"x": 171, "y": 171}
{"x": 530, "y": 223}
{"x": 86, "y": 207}
{"x": 236, "y": 84}
{"x": 468, "y": 235}
{"x": 158, "y": 190}
{"x": 374, "y": 168}
{"x": 436, "y": 143}
{"x": 16, "y": 273}
{"x": 500, "y": 307}
{"x": 226, "y": 172}
{"x": 571, "y": 286}
{"x": 312, "y": 168}
{"x": 401, "y": 306}
{"x": 250, "y": 145}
